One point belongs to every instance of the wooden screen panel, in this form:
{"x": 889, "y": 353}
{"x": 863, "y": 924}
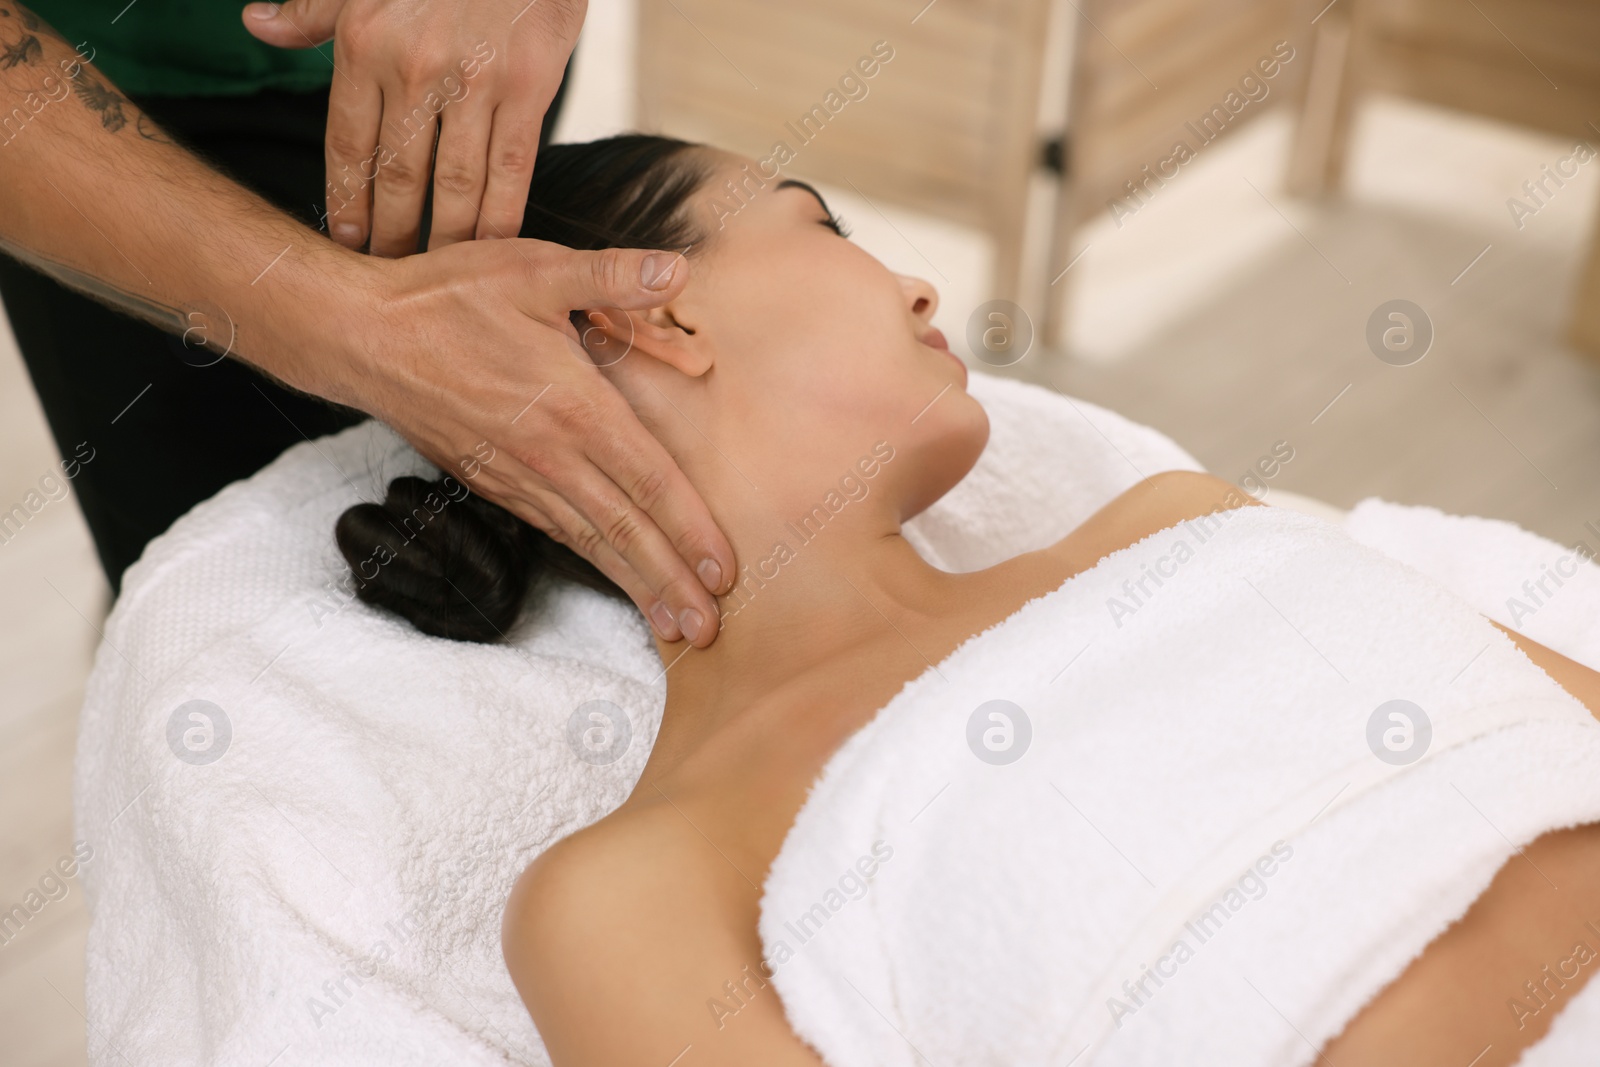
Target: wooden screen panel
{"x": 1531, "y": 62}
{"x": 1141, "y": 71}
{"x": 1145, "y": 68}
{"x": 946, "y": 126}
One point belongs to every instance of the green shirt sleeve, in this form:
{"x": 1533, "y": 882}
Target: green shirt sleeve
{"x": 182, "y": 47}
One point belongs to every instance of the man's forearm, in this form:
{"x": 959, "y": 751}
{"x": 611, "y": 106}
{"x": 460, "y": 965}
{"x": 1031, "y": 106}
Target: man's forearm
{"x": 98, "y": 197}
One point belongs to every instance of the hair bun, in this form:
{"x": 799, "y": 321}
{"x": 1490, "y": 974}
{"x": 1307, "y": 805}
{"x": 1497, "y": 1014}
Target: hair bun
{"x": 453, "y": 564}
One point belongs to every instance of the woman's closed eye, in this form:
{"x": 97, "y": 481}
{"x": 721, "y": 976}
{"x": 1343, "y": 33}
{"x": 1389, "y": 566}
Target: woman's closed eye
{"x": 830, "y": 220}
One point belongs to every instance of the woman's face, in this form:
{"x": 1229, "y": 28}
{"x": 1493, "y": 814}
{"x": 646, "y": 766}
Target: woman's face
{"x": 792, "y": 353}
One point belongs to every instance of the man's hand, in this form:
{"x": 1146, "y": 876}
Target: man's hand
{"x": 470, "y": 354}
{"x": 467, "y": 350}
{"x": 479, "y": 73}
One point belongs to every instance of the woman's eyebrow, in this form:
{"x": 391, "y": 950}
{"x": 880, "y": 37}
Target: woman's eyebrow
{"x": 790, "y": 183}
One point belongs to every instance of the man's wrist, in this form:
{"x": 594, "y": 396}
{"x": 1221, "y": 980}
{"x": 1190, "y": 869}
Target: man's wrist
{"x": 313, "y": 326}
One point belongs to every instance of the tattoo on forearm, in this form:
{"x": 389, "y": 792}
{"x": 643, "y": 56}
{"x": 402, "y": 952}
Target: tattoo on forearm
{"x": 100, "y": 98}
{"x": 111, "y": 106}
{"x": 146, "y": 127}
{"x": 26, "y": 50}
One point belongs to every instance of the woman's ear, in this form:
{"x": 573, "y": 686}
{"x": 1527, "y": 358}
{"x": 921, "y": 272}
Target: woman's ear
{"x": 610, "y": 334}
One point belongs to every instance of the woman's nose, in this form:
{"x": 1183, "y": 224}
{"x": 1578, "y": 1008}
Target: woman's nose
{"x": 921, "y": 298}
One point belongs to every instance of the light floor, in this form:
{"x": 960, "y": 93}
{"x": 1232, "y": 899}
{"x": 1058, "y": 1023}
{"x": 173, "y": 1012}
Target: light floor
{"x": 1223, "y": 313}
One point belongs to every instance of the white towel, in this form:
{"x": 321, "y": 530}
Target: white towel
{"x": 1202, "y": 794}
{"x": 1526, "y": 583}
{"x": 382, "y": 789}
{"x": 1574, "y": 1037}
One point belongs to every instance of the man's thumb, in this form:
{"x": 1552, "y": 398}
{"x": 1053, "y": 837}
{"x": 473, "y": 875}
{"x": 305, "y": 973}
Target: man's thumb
{"x": 630, "y": 278}
{"x": 295, "y": 24}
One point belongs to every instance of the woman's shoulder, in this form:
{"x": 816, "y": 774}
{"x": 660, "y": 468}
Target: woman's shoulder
{"x": 642, "y": 910}
{"x": 589, "y": 925}
{"x": 1152, "y": 504}
{"x": 632, "y": 861}
{"x": 1182, "y": 491}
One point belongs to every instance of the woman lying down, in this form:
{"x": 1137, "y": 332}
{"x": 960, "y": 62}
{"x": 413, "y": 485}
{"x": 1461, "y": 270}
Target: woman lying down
{"x": 1203, "y": 782}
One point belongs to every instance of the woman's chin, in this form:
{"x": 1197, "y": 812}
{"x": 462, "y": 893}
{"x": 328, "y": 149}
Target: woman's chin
{"x": 949, "y": 453}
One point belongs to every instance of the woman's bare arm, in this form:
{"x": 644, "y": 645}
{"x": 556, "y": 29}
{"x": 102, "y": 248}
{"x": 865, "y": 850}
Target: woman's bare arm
{"x": 1582, "y": 682}
{"x": 1467, "y": 997}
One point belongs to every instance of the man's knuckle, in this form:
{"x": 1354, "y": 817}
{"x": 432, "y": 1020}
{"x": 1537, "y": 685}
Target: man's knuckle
{"x": 649, "y": 488}
{"x": 573, "y": 415}
{"x": 512, "y": 161}
{"x": 343, "y": 145}
{"x": 625, "y": 529}
{"x": 457, "y": 173}
{"x": 400, "y": 173}
{"x": 358, "y": 36}
{"x": 587, "y": 541}
{"x": 607, "y": 269}
{"x": 536, "y": 460}
{"x": 417, "y": 67}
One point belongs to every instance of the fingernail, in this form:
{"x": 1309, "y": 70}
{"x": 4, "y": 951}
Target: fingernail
{"x": 690, "y": 622}
{"x": 346, "y": 233}
{"x": 263, "y": 11}
{"x": 665, "y": 626}
{"x": 710, "y": 572}
{"x": 658, "y": 269}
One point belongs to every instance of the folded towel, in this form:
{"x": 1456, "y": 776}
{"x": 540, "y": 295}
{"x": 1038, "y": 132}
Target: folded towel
{"x": 307, "y": 816}
{"x": 1219, "y": 864}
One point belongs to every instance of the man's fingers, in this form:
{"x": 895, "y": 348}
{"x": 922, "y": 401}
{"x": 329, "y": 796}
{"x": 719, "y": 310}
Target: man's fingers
{"x": 571, "y": 528}
{"x": 458, "y": 173}
{"x": 639, "y": 464}
{"x": 613, "y": 521}
{"x": 353, "y": 159}
{"x": 407, "y": 133}
{"x": 513, "y": 146}
{"x": 295, "y": 24}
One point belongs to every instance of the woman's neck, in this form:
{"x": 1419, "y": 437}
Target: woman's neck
{"x": 806, "y": 600}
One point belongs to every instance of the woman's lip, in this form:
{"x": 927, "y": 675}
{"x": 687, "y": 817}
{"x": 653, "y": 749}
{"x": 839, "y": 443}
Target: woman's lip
{"x": 958, "y": 363}
{"x": 936, "y": 339}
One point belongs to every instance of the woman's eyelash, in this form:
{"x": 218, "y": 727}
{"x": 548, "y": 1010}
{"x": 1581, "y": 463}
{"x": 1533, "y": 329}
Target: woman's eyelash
{"x": 837, "y": 225}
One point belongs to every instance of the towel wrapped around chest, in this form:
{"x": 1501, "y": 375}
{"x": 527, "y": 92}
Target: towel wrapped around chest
{"x": 1198, "y": 805}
